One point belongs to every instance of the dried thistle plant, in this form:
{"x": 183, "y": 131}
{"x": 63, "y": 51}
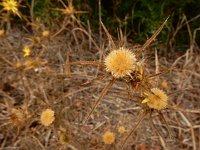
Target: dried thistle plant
{"x": 122, "y": 64}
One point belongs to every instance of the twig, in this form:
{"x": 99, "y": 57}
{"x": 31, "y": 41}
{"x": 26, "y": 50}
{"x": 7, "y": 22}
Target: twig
{"x": 103, "y": 92}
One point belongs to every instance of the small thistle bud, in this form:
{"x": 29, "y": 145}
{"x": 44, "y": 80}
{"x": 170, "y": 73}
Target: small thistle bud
{"x": 45, "y": 33}
{"x": 108, "y": 137}
{"x": 47, "y": 117}
{"x": 120, "y": 62}
{"x": 156, "y": 99}
{"x": 121, "y": 130}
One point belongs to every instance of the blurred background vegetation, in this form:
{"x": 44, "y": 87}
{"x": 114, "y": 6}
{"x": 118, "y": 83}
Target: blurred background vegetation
{"x": 138, "y": 19}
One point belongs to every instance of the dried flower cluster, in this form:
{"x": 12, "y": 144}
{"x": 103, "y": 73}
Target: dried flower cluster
{"x": 121, "y": 63}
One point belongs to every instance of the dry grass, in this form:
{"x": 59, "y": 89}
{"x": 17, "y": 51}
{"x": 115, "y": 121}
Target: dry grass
{"x": 50, "y": 80}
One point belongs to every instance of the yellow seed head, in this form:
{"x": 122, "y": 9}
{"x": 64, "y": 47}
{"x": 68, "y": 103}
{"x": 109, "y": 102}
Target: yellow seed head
{"x": 120, "y": 62}
{"x": 45, "y": 33}
{"x": 108, "y": 137}
{"x": 121, "y": 129}
{"x": 26, "y": 51}
{"x": 157, "y": 99}
{"x": 10, "y": 5}
{"x": 47, "y": 117}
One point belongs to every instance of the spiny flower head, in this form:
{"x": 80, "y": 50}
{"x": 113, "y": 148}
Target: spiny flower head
{"x": 47, "y": 117}
{"x": 108, "y": 137}
{"x": 156, "y": 99}
{"x": 121, "y": 129}
{"x": 120, "y": 62}
{"x": 10, "y": 5}
{"x": 26, "y": 51}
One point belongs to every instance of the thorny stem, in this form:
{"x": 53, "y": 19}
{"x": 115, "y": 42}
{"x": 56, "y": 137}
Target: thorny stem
{"x": 86, "y": 33}
{"x": 148, "y": 42}
{"x": 108, "y": 35}
{"x": 153, "y": 125}
{"x": 161, "y": 73}
{"x": 86, "y": 63}
{"x": 101, "y": 78}
{"x": 103, "y": 92}
{"x": 162, "y": 139}
{"x": 141, "y": 117}
{"x": 167, "y": 125}
{"x": 176, "y": 108}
